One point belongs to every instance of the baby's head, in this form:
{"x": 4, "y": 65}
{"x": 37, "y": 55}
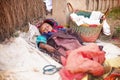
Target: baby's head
{"x": 46, "y": 26}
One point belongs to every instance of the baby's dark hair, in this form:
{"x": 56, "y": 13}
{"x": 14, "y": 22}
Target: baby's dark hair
{"x": 52, "y": 22}
{"x": 49, "y": 22}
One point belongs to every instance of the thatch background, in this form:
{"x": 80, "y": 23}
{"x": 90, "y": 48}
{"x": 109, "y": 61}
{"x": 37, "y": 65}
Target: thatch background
{"x": 15, "y": 14}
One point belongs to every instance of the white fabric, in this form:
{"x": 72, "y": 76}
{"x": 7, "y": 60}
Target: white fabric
{"x": 31, "y": 35}
{"x": 24, "y": 62}
{"x": 96, "y": 15}
{"x": 94, "y": 19}
{"x": 91, "y": 21}
{"x": 77, "y": 19}
{"x": 82, "y": 20}
{"x": 111, "y": 50}
{"x": 106, "y": 28}
{"x": 33, "y": 31}
{"x": 48, "y": 5}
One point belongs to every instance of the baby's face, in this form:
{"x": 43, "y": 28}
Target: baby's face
{"x": 45, "y": 28}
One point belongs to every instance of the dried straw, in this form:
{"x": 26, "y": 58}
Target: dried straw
{"x": 15, "y": 14}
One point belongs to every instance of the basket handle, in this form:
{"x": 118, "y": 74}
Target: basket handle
{"x": 104, "y": 16}
{"x": 106, "y": 12}
{"x": 70, "y": 7}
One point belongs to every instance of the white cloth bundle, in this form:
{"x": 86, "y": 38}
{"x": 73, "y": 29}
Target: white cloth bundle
{"x": 94, "y": 19}
{"x": 48, "y": 4}
{"x": 96, "y": 15}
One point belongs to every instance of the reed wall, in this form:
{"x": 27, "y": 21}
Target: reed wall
{"x": 15, "y": 14}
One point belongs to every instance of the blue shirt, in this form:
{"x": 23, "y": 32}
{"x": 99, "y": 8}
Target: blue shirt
{"x": 41, "y": 38}
{"x": 44, "y": 37}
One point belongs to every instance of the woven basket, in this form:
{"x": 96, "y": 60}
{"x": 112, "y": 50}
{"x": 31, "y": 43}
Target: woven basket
{"x": 88, "y": 34}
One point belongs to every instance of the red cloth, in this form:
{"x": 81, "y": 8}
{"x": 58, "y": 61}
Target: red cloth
{"x": 59, "y": 26}
{"x": 113, "y": 75}
{"x": 85, "y": 59}
{"x": 66, "y": 75}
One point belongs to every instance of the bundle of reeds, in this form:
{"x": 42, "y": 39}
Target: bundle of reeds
{"x": 15, "y": 14}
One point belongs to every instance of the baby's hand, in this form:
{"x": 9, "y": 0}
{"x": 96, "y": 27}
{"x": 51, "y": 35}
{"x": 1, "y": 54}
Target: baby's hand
{"x": 50, "y": 48}
{"x": 47, "y": 47}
